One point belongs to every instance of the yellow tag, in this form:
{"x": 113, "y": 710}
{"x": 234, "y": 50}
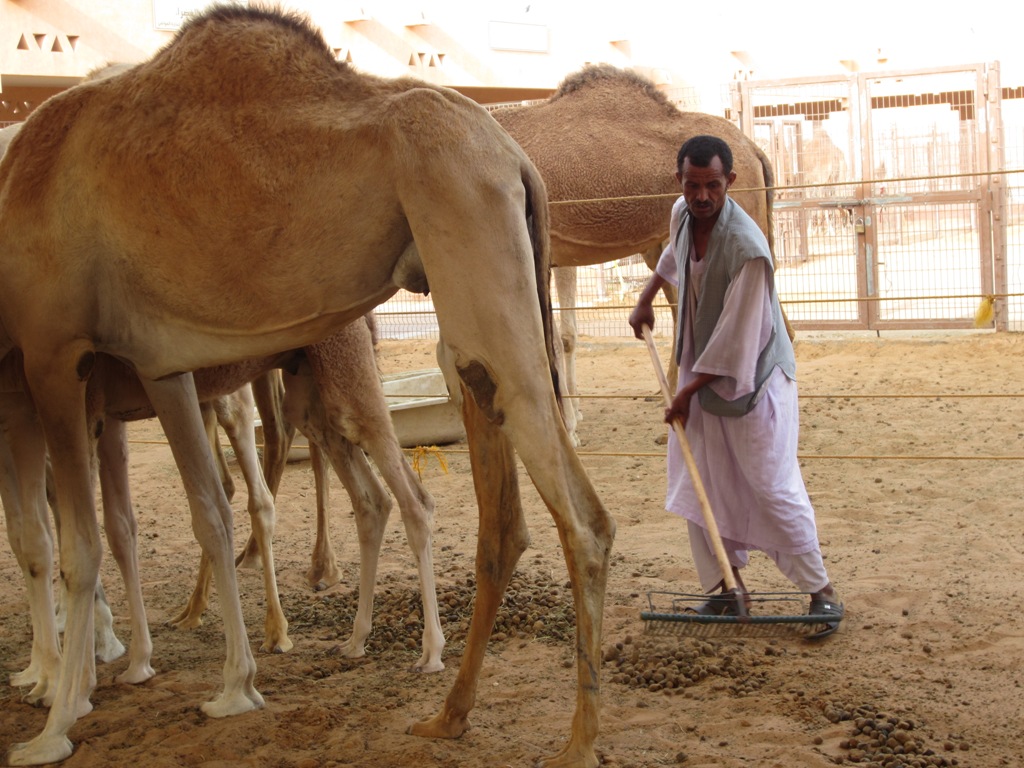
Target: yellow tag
{"x": 421, "y": 454}
{"x": 983, "y": 317}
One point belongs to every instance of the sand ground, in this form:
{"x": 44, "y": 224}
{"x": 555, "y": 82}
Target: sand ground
{"x": 917, "y": 481}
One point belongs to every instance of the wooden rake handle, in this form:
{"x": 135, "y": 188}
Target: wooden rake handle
{"x": 705, "y": 506}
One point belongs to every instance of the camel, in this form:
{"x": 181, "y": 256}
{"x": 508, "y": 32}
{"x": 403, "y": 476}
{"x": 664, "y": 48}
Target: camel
{"x": 343, "y": 407}
{"x": 262, "y": 230}
{"x": 31, "y": 540}
{"x": 24, "y": 500}
{"x": 332, "y": 393}
{"x": 610, "y": 133}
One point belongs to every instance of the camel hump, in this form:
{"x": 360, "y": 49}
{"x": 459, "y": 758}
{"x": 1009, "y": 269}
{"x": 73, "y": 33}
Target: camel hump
{"x": 608, "y": 76}
{"x": 280, "y": 53}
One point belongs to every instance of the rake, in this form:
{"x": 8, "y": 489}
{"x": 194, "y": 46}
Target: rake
{"x": 673, "y": 612}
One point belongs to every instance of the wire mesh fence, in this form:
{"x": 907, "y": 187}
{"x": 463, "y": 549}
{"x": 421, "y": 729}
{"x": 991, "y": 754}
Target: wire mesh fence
{"x": 884, "y": 217}
{"x": 605, "y": 295}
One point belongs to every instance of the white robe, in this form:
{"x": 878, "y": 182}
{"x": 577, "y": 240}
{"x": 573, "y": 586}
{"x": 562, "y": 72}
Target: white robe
{"x": 747, "y": 464}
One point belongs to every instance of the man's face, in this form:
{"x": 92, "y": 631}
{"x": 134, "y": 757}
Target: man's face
{"x": 704, "y": 188}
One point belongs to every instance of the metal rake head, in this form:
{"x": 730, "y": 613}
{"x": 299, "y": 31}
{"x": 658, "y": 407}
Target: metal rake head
{"x": 772, "y": 614}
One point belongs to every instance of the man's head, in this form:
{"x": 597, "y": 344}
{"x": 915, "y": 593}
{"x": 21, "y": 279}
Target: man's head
{"x": 704, "y": 170}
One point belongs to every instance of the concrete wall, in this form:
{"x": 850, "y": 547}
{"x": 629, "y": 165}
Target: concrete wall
{"x": 500, "y": 50}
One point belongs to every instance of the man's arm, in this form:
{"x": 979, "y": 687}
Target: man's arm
{"x": 643, "y": 312}
{"x": 680, "y": 408}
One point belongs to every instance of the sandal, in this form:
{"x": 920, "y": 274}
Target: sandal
{"x": 834, "y": 612}
{"x": 723, "y": 604}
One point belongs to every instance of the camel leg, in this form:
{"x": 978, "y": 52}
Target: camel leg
{"x": 108, "y": 647}
{"x": 371, "y": 504}
{"x": 210, "y": 422}
{"x": 52, "y": 379}
{"x": 268, "y": 392}
{"x": 174, "y": 400}
{"x": 235, "y": 414}
{"x": 191, "y": 616}
{"x": 586, "y": 532}
{"x": 503, "y": 537}
{"x": 565, "y": 285}
{"x": 122, "y": 538}
{"x": 323, "y": 569}
{"x": 355, "y": 408}
{"x": 417, "y": 509}
{"x": 504, "y": 352}
{"x": 28, "y": 530}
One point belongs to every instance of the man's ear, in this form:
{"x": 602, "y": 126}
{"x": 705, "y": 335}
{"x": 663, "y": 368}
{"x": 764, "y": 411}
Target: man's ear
{"x": 730, "y": 179}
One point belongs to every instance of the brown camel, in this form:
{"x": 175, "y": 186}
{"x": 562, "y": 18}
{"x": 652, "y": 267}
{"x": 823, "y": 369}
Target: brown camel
{"x": 338, "y": 403}
{"x": 339, "y": 406}
{"x": 333, "y": 394}
{"x": 25, "y": 492}
{"x": 168, "y": 218}
{"x": 610, "y": 133}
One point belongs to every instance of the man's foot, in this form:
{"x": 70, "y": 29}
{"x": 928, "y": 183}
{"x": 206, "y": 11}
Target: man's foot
{"x": 722, "y": 604}
{"x": 826, "y": 603}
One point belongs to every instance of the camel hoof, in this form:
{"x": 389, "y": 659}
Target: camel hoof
{"x": 185, "y": 621}
{"x": 135, "y": 674}
{"x": 426, "y": 666}
{"x": 320, "y": 579}
{"x": 235, "y": 703}
{"x": 350, "y": 649}
{"x": 108, "y": 647}
{"x": 41, "y": 695}
{"x": 280, "y": 646}
{"x": 40, "y": 750}
{"x": 439, "y": 727}
{"x": 250, "y": 562}
{"x": 570, "y": 757}
{"x": 28, "y": 676}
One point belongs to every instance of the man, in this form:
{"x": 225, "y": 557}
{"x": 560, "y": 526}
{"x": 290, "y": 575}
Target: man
{"x": 737, "y": 395}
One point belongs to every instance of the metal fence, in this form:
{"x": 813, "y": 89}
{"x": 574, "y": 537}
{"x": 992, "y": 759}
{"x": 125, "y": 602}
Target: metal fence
{"x": 894, "y": 206}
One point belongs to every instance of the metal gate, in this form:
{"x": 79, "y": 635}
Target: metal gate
{"x": 884, "y": 216}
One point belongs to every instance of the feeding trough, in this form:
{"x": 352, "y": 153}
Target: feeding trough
{"x": 421, "y": 411}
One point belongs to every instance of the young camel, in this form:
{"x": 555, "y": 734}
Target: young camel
{"x": 341, "y": 405}
{"x": 333, "y": 394}
{"x": 23, "y": 487}
{"x": 263, "y": 230}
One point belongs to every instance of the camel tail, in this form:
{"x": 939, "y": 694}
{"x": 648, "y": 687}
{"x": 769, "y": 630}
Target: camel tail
{"x": 769, "y": 193}
{"x": 537, "y": 220}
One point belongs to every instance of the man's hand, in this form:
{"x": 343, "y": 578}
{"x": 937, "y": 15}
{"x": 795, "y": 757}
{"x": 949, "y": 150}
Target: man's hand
{"x": 680, "y": 408}
{"x": 643, "y": 312}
